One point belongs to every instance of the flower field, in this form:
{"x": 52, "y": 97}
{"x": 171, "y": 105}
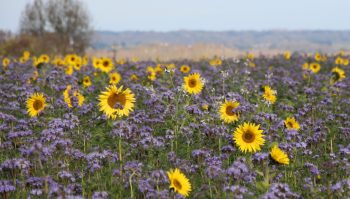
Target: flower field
{"x": 250, "y": 127}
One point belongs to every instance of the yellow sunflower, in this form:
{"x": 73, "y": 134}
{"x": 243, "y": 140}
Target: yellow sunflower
{"x": 152, "y": 74}
{"x": 269, "y": 95}
{"x": 116, "y": 101}
{"x": 338, "y": 61}
{"x": 193, "y": 83}
{"x": 106, "y": 65}
{"x": 278, "y": 155}
{"x": 96, "y": 62}
{"x": 306, "y": 66}
{"x": 287, "y": 55}
{"x": 227, "y": 111}
{"x": 26, "y": 54}
{"x": 114, "y": 78}
{"x": 291, "y": 123}
{"x": 179, "y": 182}
{"x": 69, "y": 70}
{"x": 248, "y": 137}
{"x": 68, "y": 98}
{"x": 318, "y": 57}
{"x": 314, "y": 67}
{"x": 338, "y": 74}
{"x": 87, "y": 81}
{"x": 134, "y": 77}
{"x": 35, "y": 104}
{"x": 5, "y": 62}
{"x": 185, "y": 69}
{"x": 215, "y": 61}
{"x": 44, "y": 58}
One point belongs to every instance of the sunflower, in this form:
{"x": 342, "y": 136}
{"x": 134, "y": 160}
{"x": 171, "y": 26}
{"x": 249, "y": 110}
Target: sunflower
{"x": 291, "y": 123}
{"x": 193, "y": 83}
{"x": 96, "y": 62}
{"x": 278, "y": 155}
{"x": 306, "y": 66}
{"x": 227, "y": 111}
{"x": 152, "y": 74}
{"x": 114, "y": 78}
{"x": 185, "y": 69}
{"x": 318, "y": 57}
{"x": 338, "y": 74}
{"x": 35, "y": 104}
{"x": 68, "y": 98}
{"x": 87, "y": 81}
{"x": 269, "y": 95}
{"x": 338, "y": 61}
{"x": 106, "y": 65}
{"x": 5, "y": 62}
{"x": 26, "y": 54}
{"x": 315, "y": 67}
{"x": 116, "y": 101}
{"x": 215, "y": 61}
{"x": 248, "y": 137}
{"x": 69, "y": 70}
{"x": 287, "y": 55}
{"x": 345, "y": 62}
{"x": 44, "y": 58}
{"x": 134, "y": 77}
{"x": 179, "y": 182}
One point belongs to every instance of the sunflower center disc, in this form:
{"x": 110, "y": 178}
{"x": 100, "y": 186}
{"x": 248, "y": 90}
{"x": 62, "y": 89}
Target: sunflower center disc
{"x": 37, "y": 105}
{"x": 192, "y": 83}
{"x": 248, "y": 137}
{"x": 105, "y": 64}
{"x": 114, "y": 98}
{"x": 177, "y": 184}
{"x": 229, "y": 110}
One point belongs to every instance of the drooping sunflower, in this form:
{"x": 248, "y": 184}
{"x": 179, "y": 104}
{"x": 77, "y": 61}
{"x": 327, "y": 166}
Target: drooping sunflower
{"x": 278, "y": 155}
{"x": 248, "y": 137}
{"x": 269, "y": 95}
{"x": 87, "y": 81}
{"x": 193, "y": 83}
{"x": 179, "y": 182}
{"x": 291, "y": 123}
{"x": 116, "y": 101}
{"x": 185, "y": 69}
{"x": 228, "y": 113}
{"x": 314, "y": 67}
{"x": 35, "y": 104}
{"x": 68, "y": 97}
{"x": 106, "y": 65}
{"x": 114, "y": 78}
{"x": 338, "y": 74}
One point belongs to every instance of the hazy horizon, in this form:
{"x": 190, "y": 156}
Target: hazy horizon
{"x": 205, "y": 15}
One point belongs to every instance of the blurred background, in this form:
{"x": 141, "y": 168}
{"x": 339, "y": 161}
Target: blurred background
{"x": 164, "y": 29}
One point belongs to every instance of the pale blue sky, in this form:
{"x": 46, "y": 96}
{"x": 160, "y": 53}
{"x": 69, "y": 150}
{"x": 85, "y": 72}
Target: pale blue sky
{"x": 167, "y": 15}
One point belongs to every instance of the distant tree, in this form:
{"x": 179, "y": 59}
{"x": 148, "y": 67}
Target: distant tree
{"x": 66, "y": 23}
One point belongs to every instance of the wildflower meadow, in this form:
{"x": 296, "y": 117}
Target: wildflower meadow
{"x": 254, "y": 126}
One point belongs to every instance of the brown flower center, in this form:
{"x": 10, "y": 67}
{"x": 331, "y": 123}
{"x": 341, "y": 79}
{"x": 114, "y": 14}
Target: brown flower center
{"x": 116, "y": 100}
{"x": 37, "y": 105}
{"x": 229, "y": 110}
{"x": 192, "y": 83}
{"x": 248, "y": 136}
{"x": 105, "y": 63}
{"x": 177, "y": 184}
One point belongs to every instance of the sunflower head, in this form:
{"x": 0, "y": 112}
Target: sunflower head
{"x": 278, "y": 155}
{"x": 179, "y": 182}
{"x": 315, "y": 67}
{"x": 106, "y": 65}
{"x": 68, "y": 94}
{"x": 5, "y": 62}
{"x": 228, "y": 111}
{"x": 287, "y": 55}
{"x": 116, "y": 101}
{"x": 87, "y": 81}
{"x": 338, "y": 74}
{"x": 291, "y": 123}
{"x": 248, "y": 137}
{"x": 44, "y": 58}
{"x": 269, "y": 95}
{"x": 193, "y": 83}
{"x": 185, "y": 69}
{"x": 35, "y": 104}
{"x": 114, "y": 78}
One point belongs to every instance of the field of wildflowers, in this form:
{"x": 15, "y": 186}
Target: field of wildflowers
{"x": 250, "y": 127}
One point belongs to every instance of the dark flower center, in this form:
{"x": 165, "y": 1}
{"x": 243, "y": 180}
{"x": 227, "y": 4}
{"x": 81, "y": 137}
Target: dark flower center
{"x": 105, "y": 63}
{"x": 116, "y": 100}
{"x": 248, "y": 136}
{"x": 192, "y": 83}
{"x": 37, "y": 105}
{"x": 177, "y": 184}
{"x": 229, "y": 110}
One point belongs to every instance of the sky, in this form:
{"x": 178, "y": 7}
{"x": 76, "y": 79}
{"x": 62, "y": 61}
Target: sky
{"x": 214, "y": 15}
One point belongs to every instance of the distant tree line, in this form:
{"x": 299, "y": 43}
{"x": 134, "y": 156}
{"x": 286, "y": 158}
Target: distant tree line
{"x": 52, "y": 27}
